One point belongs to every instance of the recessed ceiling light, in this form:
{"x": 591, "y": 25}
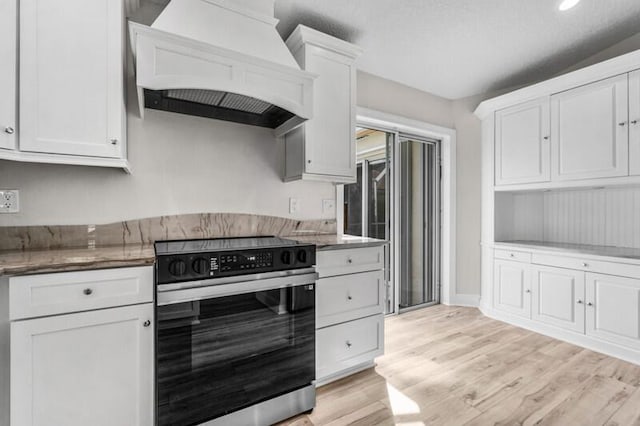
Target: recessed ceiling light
{"x": 568, "y": 4}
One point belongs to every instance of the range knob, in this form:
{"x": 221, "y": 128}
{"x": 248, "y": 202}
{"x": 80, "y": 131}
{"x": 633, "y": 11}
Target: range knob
{"x": 286, "y": 257}
{"x": 177, "y": 267}
{"x": 199, "y": 265}
{"x": 302, "y": 256}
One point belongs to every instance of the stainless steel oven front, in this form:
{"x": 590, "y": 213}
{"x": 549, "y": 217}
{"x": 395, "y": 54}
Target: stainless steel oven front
{"x": 236, "y": 350}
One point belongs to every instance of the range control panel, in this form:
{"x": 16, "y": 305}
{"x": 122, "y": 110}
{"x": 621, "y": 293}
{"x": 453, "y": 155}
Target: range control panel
{"x": 173, "y": 268}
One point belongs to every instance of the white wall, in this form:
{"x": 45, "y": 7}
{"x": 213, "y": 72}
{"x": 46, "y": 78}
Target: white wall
{"x": 181, "y": 164}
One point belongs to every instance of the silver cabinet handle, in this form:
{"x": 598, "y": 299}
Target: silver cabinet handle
{"x": 579, "y": 302}
{"x": 9, "y": 130}
{"x": 348, "y": 344}
{"x": 585, "y": 265}
{"x": 622, "y": 124}
{"x": 147, "y": 323}
{"x": 349, "y": 260}
{"x": 87, "y": 291}
{"x": 309, "y": 161}
{"x": 589, "y": 304}
{"x": 527, "y": 291}
{"x": 634, "y": 122}
{"x": 114, "y": 141}
{"x": 349, "y": 297}
{"x": 546, "y": 138}
{"x": 512, "y": 255}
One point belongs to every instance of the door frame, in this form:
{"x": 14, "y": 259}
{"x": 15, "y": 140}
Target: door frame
{"x": 395, "y": 124}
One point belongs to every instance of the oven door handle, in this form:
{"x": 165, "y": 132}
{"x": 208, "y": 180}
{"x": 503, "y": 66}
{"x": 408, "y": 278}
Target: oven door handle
{"x": 169, "y": 297}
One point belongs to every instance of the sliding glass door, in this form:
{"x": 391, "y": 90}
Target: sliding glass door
{"x": 396, "y": 198}
{"x": 419, "y": 224}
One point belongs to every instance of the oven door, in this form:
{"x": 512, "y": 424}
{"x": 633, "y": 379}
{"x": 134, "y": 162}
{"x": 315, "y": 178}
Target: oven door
{"x": 220, "y": 354}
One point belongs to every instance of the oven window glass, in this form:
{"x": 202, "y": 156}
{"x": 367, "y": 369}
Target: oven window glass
{"x": 217, "y": 356}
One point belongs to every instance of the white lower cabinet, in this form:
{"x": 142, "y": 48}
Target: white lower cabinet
{"x": 350, "y": 300}
{"x": 86, "y": 366}
{"x": 91, "y": 368}
{"x": 512, "y": 287}
{"x": 613, "y": 309}
{"x": 558, "y": 297}
{"x": 601, "y": 310}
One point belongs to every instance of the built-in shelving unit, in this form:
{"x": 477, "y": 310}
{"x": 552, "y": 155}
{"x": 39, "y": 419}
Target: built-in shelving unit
{"x": 561, "y": 207}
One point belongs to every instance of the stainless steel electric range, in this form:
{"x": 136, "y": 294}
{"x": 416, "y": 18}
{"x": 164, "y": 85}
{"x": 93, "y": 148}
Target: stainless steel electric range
{"x": 235, "y": 331}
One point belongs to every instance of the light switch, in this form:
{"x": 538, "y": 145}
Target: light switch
{"x": 294, "y": 205}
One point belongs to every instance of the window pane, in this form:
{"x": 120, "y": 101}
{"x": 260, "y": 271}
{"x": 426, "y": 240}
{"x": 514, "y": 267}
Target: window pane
{"x": 353, "y": 205}
{"x": 377, "y": 212}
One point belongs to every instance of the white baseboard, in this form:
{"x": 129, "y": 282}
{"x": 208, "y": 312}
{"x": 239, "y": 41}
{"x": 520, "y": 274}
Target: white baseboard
{"x": 578, "y": 339}
{"x": 469, "y": 300}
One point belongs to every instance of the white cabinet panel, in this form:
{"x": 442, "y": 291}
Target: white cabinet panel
{"x": 92, "y": 368}
{"x": 349, "y": 261}
{"x": 634, "y": 123}
{"x": 589, "y": 131}
{"x": 511, "y": 287}
{"x": 330, "y": 134}
{"x": 50, "y": 294}
{"x": 558, "y": 297}
{"x": 347, "y": 345}
{"x": 348, "y": 297}
{"x": 8, "y": 53}
{"x": 613, "y": 309}
{"x": 71, "y": 77}
{"x": 522, "y": 153}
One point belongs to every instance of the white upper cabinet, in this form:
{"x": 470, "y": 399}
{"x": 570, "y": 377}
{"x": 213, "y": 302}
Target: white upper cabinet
{"x": 589, "y": 131}
{"x": 522, "y": 143}
{"x": 8, "y": 53}
{"x": 558, "y": 297}
{"x": 324, "y": 147}
{"x": 634, "y": 123}
{"x": 613, "y": 309}
{"x": 71, "y": 77}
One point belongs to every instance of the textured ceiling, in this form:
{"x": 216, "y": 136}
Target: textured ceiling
{"x": 459, "y": 48}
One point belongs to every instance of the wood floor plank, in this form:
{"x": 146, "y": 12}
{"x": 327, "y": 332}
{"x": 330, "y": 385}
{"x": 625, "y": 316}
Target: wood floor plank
{"x": 453, "y": 366}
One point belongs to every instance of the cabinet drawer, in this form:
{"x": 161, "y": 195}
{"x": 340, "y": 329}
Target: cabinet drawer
{"x": 518, "y": 256}
{"x": 348, "y": 297}
{"x": 612, "y": 268}
{"x": 50, "y": 294}
{"x": 349, "y": 261}
{"x": 347, "y": 345}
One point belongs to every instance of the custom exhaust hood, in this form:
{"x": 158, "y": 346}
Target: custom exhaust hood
{"x": 221, "y": 59}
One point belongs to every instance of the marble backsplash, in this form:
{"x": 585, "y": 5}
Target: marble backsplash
{"x": 147, "y": 231}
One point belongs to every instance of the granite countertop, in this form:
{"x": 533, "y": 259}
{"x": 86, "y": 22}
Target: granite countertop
{"x": 23, "y": 262}
{"x": 74, "y": 259}
{"x": 334, "y": 242}
{"x": 586, "y": 249}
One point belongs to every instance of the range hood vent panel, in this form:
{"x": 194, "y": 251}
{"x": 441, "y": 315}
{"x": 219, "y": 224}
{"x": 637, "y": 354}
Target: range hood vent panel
{"x": 180, "y": 69}
{"x": 240, "y": 109}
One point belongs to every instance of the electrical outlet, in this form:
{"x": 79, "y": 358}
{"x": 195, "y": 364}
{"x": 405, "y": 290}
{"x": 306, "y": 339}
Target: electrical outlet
{"x": 328, "y": 206}
{"x": 294, "y": 205}
{"x": 9, "y": 202}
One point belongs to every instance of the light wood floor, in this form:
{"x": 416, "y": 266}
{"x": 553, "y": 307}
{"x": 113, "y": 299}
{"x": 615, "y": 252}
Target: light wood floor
{"x": 453, "y": 366}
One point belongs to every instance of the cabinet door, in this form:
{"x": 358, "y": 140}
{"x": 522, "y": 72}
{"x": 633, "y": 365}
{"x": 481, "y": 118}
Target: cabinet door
{"x": 558, "y": 297}
{"x": 71, "y": 77}
{"x": 522, "y": 143}
{"x": 589, "y": 131}
{"x": 634, "y": 123}
{"x": 613, "y": 309}
{"x": 92, "y": 368}
{"x": 511, "y": 287}
{"x": 330, "y": 135}
{"x": 8, "y": 22}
